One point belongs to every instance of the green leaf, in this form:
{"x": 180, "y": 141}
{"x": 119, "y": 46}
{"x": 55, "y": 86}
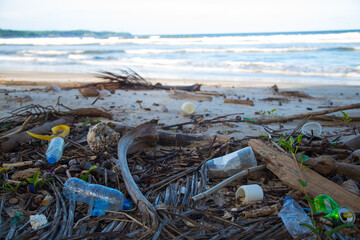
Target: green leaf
{"x": 311, "y": 203}
{"x": 302, "y": 182}
{"x": 299, "y": 138}
{"x": 85, "y": 176}
{"x": 264, "y": 136}
{"x": 332, "y": 231}
{"x": 303, "y": 158}
{"x": 315, "y": 231}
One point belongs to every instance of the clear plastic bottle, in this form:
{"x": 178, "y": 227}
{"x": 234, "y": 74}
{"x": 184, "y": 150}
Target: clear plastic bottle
{"x": 292, "y": 215}
{"x": 101, "y": 197}
{"x": 230, "y": 164}
{"x": 55, "y": 150}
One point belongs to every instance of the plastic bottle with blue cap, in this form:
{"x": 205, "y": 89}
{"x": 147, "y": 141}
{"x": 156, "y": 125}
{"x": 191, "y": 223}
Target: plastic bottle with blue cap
{"x": 101, "y": 197}
{"x": 55, "y": 150}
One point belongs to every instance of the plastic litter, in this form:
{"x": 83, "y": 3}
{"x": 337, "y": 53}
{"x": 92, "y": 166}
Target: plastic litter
{"x": 37, "y": 221}
{"x": 55, "y": 150}
{"x": 292, "y": 215}
{"x": 232, "y": 163}
{"x": 101, "y": 197}
{"x": 249, "y": 193}
{"x": 188, "y": 108}
{"x": 311, "y": 129}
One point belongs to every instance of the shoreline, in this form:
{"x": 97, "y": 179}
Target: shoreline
{"x": 64, "y": 79}
{"x": 123, "y": 104}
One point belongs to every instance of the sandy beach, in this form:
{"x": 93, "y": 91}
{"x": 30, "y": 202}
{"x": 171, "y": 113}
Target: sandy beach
{"x": 125, "y": 107}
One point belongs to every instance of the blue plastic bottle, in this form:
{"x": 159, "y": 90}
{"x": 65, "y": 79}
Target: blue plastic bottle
{"x": 101, "y": 197}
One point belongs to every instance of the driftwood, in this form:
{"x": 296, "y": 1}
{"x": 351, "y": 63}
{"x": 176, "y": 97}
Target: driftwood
{"x": 285, "y": 168}
{"x": 326, "y": 165}
{"x": 23, "y": 137}
{"x": 353, "y": 143}
{"x": 183, "y": 95}
{"x": 239, "y": 101}
{"x": 195, "y": 87}
{"x": 146, "y": 208}
{"x": 89, "y": 112}
{"x": 264, "y": 211}
{"x": 303, "y": 115}
{"x": 176, "y": 139}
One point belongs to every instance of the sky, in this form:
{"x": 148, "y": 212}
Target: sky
{"x": 180, "y": 16}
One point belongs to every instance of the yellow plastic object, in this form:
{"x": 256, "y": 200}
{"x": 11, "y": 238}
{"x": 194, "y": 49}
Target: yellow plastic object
{"x": 65, "y": 132}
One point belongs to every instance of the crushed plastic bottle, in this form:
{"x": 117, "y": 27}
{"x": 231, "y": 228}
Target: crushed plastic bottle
{"x": 292, "y": 215}
{"x": 55, "y": 150}
{"x": 230, "y": 164}
{"x": 101, "y": 197}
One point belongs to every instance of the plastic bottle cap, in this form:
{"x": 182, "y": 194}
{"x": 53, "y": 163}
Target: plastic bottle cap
{"x": 51, "y": 159}
{"x": 127, "y": 205}
{"x": 287, "y": 198}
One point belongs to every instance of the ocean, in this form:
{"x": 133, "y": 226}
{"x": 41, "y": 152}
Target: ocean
{"x": 325, "y": 57}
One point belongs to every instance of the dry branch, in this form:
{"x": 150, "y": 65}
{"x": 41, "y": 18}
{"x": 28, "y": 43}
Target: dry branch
{"x": 176, "y": 139}
{"x": 146, "y": 208}
{"x": 303, "y": 115}
{"x": 239, "y": 101}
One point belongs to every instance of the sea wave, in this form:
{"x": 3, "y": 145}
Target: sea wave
{"x": 219, "y": 50}
{"x": 344, "y": 37}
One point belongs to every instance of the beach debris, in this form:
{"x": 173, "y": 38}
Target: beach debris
{"x": 145, "y": 207}
{"x": 191, "y": 88}
{"x": 285, "y": 168}
{"x": 298, "y": 94}
{"x": 326, "y": 165}
{"x": 89, "y": 92}
{"x": 351, "y": 186}
{"x": 24, "y": 174}
{"x": 101, "y": 136}
{"x": 104, "y": 93}
{"x": 303, "y": 115}
{"x": 228, "y": 165}
{"x": 262, "y": 211}
{"x": 183, "y": 95}
{"x": 353, "y": 143}
{"x": 38, "y": 221}
{"x": 311, "y": 129}
{"x": 249, "y": 193}
{"x": 239, "y": 101}
{"x": 188, "y": 108}
{"x": 54, "y": 88}
{"x": 226, "y": 182}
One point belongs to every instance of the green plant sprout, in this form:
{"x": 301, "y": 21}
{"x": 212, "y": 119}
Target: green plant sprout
{"x": 85, "y": 176}
{"x": 288, "y": 145}
{"x": 35, "y": 179}
{"x": 346, "y": 117}
{"x": 12, "y": 189}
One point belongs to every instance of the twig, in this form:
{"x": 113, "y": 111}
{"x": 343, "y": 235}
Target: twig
{"x": 226, "y": 182}
{"x": 23, "y": 126}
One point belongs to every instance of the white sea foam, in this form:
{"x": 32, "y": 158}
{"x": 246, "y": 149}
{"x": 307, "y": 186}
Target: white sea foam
{"x": 347, "y": 37}
{"x": 219, "y": 50}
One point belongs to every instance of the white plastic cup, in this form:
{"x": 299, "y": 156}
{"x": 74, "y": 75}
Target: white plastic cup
{"x": 188, "y": 108}
{"x": 249, "y": 193}
{"x": 311, "y": 129}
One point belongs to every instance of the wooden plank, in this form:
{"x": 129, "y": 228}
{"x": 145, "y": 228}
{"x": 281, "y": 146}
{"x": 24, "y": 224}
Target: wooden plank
{"x": 285, "y": 168}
